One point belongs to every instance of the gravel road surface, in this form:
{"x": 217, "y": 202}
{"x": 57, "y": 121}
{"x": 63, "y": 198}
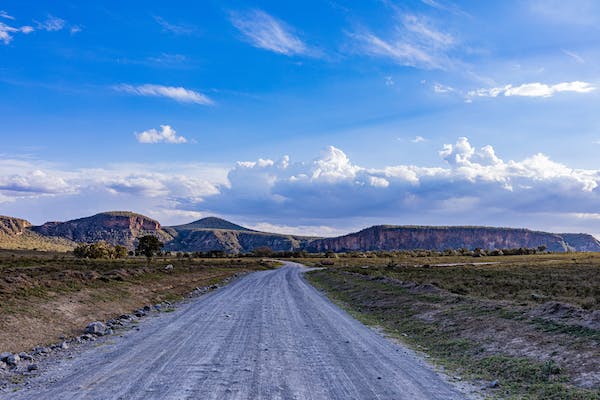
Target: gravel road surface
{"x": 268, "y": 335}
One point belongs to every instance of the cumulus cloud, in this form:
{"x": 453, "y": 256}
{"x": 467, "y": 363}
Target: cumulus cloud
{"x": 418, "y": 139}
{"x": 166, "y": 134}
{"x": 266, "y": 32}
{"x": 469, "y": 185}
{"x": 535, "y": 89}
{"x": 415, "y": 42}
{"x": 180, "y": 94}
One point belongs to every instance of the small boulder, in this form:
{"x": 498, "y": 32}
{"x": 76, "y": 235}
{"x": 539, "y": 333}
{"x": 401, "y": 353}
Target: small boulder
{"x": 25, "y": 356}
{"x": 96, "y": 328}
{"x": 169, "y": 267}
{"x": 32, "y": 367}
{"x": 3, "y": 366}
{"x": 147, "y": 308}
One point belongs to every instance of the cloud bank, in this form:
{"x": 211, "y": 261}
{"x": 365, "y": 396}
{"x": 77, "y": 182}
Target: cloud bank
{"x": 469, "y": 186}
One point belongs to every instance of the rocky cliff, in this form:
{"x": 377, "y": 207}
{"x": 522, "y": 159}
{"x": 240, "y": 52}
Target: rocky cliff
{"x": 385, "y": 237}
{"x": 116, "y": 227}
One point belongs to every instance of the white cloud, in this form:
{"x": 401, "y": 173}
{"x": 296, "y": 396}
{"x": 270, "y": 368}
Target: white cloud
{"x": 439, "y": 88}
{"x": 178, "y": 29}
{"x": 5, "y": 15}
{"x": 166, "y": 134}
{"x": 7, "y": 32}
{"x": 266, "y": 32}
{"x": 535, "y": 89}
{"x": 180, "y": 94}
{"x": 574, "y": 56}
{"x": 418, "y": 139}
{"x": 415, "y": 42}
{"x": 51, "y": 24}
{"x": 472, "y": 185}
{"x": 389, "y": 81}
{"x": 298, "y": 230}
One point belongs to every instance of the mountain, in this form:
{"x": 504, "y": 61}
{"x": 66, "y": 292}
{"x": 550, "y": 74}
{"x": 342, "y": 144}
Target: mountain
{"x": 208, "y": 234}
{"x": 115, "y": 227}
{"x": 15, "y": 233}
{"x": 212, "y": 223}
{"x": 218, "y": 234}
{"x": 390, "y": 237}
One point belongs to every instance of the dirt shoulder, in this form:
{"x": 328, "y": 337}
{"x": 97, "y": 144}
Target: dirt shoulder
{"x": 513, "y": 349}
{"x": 43, "y": 300}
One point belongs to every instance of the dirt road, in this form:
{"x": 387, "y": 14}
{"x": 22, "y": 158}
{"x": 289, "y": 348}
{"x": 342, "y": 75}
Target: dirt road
{"x": 269, "y": 335}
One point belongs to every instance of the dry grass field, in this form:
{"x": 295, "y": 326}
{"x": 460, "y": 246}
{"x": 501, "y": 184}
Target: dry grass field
{"x": 529, "y": 323}
{"x": 47, "y": 295}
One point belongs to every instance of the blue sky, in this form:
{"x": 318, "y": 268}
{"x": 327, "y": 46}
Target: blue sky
{"x": 316, "y": 116}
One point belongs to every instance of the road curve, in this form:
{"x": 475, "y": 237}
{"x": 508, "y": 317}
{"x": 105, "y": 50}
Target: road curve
{"x": 269, "y": 335}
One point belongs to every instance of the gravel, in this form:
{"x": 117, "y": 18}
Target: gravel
{"x": 268, "y": 335}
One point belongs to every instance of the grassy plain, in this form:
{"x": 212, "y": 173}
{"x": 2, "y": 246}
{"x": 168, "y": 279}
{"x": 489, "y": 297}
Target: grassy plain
{"x": 530, "y": 323}
{"x": 47, "y": 295}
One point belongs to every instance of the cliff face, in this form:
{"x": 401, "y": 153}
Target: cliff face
{"x": 581, "y": 241}
{"x": 442, "y": 238}
{"x": 113, "y": 227}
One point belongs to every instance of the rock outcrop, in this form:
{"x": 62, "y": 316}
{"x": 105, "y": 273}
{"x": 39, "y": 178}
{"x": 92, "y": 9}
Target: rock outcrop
{"x": 387, "y": 237}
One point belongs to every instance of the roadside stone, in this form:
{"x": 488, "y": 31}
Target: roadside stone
{"x": 32, "y": 367}
{"x": 3, "y": 365}
{"x": 147, "y": 308}
{"x": 87, "y": 336}
{"x": 169, "y": 267}
{"x": 493, "y": 384}
{"x": 139, "y": 313}
{"x": 25, "y": 356}
{"x": 158, "y": 307}
{"x": 13, "y": 360}
{"x": 5, "y": 355}
{"x": 40, "y": 350}
{"x": 96, "y": 328}
{"x": 64, "y": 345}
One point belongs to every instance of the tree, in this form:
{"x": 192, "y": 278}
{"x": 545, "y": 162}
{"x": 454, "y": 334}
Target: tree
{"x": 148, "y": 245}
{"x": 120, "y": 251}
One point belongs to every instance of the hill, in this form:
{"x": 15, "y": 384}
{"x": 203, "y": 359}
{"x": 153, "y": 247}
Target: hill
{"x": 212, "y": 223}
{"x": 218, "y": 234}
{"x": 15, "y": 234}
{"x": 390, "y": 237}
{"x": 114, "y": 227}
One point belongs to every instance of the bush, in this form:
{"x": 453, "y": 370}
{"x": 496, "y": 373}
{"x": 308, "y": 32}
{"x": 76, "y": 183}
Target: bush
{"x": 99, "y": 250}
